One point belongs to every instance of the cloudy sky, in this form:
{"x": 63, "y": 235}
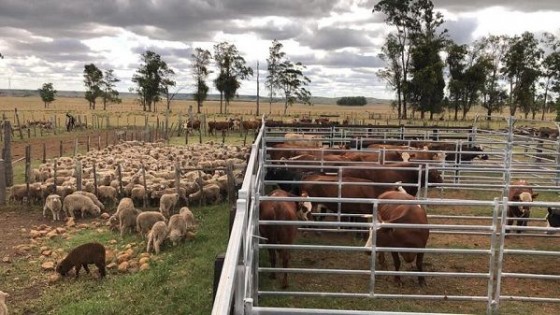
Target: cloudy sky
{"x": 51, "y": 40}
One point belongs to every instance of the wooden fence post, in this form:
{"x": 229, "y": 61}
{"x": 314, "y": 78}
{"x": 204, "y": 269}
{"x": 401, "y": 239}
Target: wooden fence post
{"x": 27, "y": 172}
{"x": 145, "y": 199}
{"x": 18, "y": 124}
{"x": 95, "y": 178}
{"x": 78, "y": 172}
{"x": 119, "y": 174}
{"x": 7, "y": 154}
{"x": 88, "y": 143}
{"x": 76, "y": 147}
{"x": 44, "y": 153}
{"x": 55, "y": 170}
{"x": 2, "y": 183}
{"x": 60, "y": 154}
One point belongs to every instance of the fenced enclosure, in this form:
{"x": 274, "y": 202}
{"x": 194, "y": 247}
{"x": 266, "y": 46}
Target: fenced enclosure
{"x": 470, "y": 264}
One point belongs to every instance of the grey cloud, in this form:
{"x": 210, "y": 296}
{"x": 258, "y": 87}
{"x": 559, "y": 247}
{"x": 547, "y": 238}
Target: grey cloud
{"x": 461, "y": 31}
{"x": 331, "y": 38}
{"x": 474, "y": 5}
{"x": 342, "y": 60}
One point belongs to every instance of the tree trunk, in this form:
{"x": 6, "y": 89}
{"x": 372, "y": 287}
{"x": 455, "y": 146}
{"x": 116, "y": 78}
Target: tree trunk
{"x": 221, "y": 100}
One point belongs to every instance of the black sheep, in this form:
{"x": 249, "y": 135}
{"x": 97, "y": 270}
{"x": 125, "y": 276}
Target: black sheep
{"x": 81, "y": 256}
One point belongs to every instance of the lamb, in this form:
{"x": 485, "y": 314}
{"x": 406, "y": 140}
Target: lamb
{"x": 157, "y": 235}
{"x": 187, "y": 214}
{"x": 146, "y": 220}
{"x": 167, "y": 203}
{"x": 177, "y": 228}
{"x": 127, "y": 219}
{"x": 113, "y": 222}
{"x": 54, "y": 204}
{"x": 93, "y": 198}
{"x": 211, "y": 193}
{"x": 81, "y": 203}
{"x": 3, "y": 307}
{"x": 81, "y": 256}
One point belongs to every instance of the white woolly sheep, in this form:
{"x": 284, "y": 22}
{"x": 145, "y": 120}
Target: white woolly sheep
{"x": 156, "y": 236}
{"x": 79, "y": 202}
{"x": 3, "y": 307}
{"x": 211, "y": 194}
{"x": 187, "y": 214}
{"x": 93, "y": 198}
{"x": 113, "y": 223}
{"x": 127, "y": 219}
{"x": 137, "y": 193}
{"x": 177, "y": 228}
{"x": 125, "y": 203}
{"x": 167, "y": 203}
{"x": 54, "y": 204}
{"x": 146, "y": 220}
{"x": 107, "y": 193}
{"x": 19, "y": 192}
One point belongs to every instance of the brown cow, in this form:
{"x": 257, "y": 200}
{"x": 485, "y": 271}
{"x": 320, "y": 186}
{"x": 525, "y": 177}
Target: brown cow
{"x": 251, "y": 124}
{"x": 401, "y": 237}
{"x": 330, "y": 188}
{"x": 219, "y": 125}
{"x": 281, "y": 234}
{"x": 396, "y": 172}
{"x": 194, "y": 125}
{"x": 520, "y": 194}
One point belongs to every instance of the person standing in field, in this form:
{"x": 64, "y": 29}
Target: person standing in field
{"x": 70, "y": 122}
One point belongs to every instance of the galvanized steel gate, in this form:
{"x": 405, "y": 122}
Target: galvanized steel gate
{"x": 239, "y": 290}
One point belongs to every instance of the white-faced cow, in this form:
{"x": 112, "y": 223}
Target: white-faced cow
{"x": 522, "y": 193}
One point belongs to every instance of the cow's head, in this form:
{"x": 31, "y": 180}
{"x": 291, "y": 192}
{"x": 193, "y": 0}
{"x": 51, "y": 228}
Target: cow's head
{"x": 524, "y": 195}
{"x": 304, "y": 208}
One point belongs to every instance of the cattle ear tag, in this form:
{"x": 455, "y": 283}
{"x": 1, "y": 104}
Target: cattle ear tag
{"x": 405, "y": 156}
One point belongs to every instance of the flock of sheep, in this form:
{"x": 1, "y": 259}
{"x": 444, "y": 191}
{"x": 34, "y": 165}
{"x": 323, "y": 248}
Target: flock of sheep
{"x": 201, "y": 170}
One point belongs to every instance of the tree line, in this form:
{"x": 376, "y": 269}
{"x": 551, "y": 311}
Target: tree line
{"x": 155, "y": 80}
{"x": 520, "y": 72}
{"x": 352, "y": 101}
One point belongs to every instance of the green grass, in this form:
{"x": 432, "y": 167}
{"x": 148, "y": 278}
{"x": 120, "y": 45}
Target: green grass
{"x": 179, "y": 282}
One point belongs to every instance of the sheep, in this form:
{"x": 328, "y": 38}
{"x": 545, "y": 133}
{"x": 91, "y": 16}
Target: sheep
{"x": 81, "y": 256}
{"x": 19, "y": 192}
{"x": 107, "y": 193}
{"x": 156, "y": 236}
{"x": 81, "y": 203}
{"x": 211, "y": 193}
{"x": 187, "y": 214}
{"x": 127, "y": 219}
{"x": 93, "y": 198}
{"x": 3, "y": 307}
{"x": 125, "y": 203}
{"x": 137, "y": 193}
{"x": 54, "y": 204}
{"x": 177, "y": 228}
{"x": 113, "y": 222}
{"x": 146, "y": 220}
{"x": 167, "y": 203}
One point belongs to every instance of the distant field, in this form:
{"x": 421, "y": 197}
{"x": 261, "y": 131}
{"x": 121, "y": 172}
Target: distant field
{"x": 129, "y": 112}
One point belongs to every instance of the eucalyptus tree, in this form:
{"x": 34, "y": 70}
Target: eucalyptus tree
{"x": 108, "y": 92}
{"x": 47, "y": 93}
{"x": 550, "y": 71}
{"x": 401, "y": 14}
{"x": 521, "y": 67}
{"x": 275, "y": 58}
{"x": 293, "y": 83}
{"x": 151, "y": 78}
{"x": 392, "y": 73}
{"x": 456, "y": 65}
{"x": 93, "y": 78}
{"x": 493, "y": 50}
{"x": 426, "y": 88}
{"x": 232, "y": 69}
{"x": 201, "y": 62}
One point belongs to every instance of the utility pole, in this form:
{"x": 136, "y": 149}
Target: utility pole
{"x": 258, "y": 86}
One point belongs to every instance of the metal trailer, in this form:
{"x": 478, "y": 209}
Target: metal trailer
{"x": 239, "y": 291}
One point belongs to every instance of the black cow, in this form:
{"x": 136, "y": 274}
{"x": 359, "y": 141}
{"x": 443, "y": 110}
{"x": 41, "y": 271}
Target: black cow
{"x": 553, "y": 217}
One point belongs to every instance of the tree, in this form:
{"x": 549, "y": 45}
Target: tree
{"x": 108, "y": 92}
{"x": 93, "y": 78}
{"x": 521, "y": 67}
{"x": 399, "y": 14}
{"x": 151, "y": 78}
{"x": 232, "y": 70}
{"x": 275, "y": 57}
{"x": 201, "y": 61}
{"x": 550, "y": 71}
{"x": 456, "y": 64}
{"x": 47, "y": 93}
{"x": 293, "y": 82}
{"x": 493, "y": 49}
{"x": 392, "y": 74}
{"x": 426, "y": 87}
{"x": 166, "y": 83}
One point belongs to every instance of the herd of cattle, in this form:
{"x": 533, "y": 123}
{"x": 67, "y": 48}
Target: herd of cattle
{"x": 385, "y": 172}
